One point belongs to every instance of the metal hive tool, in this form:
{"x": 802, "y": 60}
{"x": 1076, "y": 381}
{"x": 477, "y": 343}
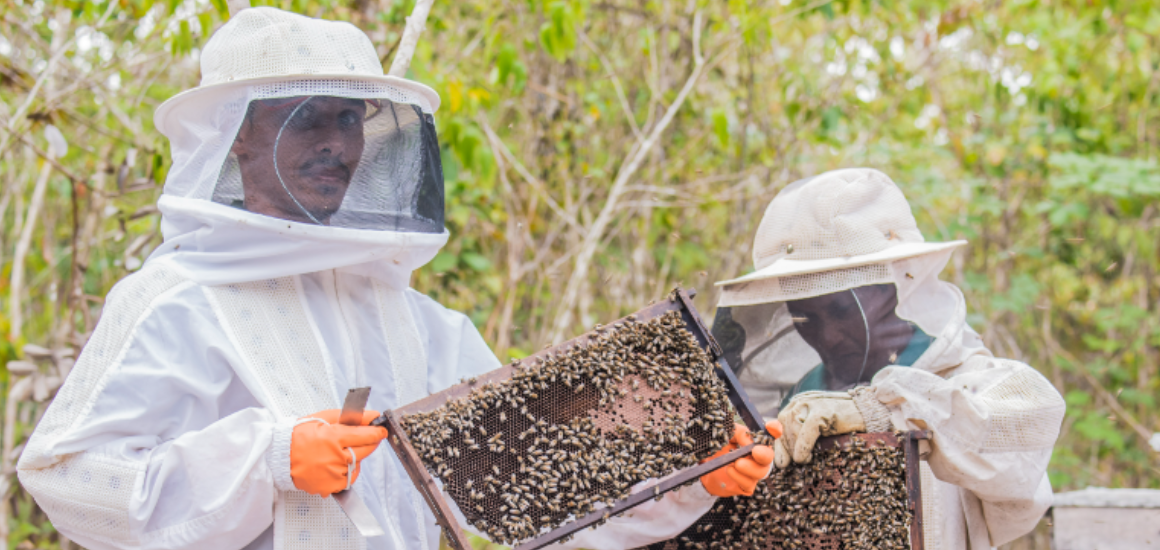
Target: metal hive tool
{"x": 860, "y": 491}
{"x": 562, "y": 440}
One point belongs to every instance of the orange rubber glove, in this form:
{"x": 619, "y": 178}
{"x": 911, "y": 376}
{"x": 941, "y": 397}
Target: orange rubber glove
{"x": 741, "y": 477}
{"x": 325, "y": 455}
{"x": 774, "y": 428}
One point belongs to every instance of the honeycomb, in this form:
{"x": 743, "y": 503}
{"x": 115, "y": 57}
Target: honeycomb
{"x": 846, "y": 498}
{"x": 574, "y": 429}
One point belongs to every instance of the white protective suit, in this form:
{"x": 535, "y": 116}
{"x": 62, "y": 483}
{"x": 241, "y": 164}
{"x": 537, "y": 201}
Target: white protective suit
{"x": 173, "y": 429}
{"x": 992, "y": 421}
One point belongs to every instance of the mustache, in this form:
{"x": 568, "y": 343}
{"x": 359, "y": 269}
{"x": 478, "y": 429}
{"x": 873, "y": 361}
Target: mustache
{"x": 325, "y": 163}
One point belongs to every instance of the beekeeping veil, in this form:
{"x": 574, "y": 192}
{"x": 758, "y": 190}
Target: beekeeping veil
{"x": 844, "y": 285}
{"x": 297, "y": 154}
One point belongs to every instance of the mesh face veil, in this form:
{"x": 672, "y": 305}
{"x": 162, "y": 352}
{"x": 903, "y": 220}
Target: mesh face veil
{"x": 830, "y": 342}
{"x": 869, "y": 342}
{"x": 339, "y": 153}
{"x": 356, "y": 162}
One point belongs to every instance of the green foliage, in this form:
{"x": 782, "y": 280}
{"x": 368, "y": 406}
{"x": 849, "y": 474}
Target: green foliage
{"x": 1097, "y": 427}
{"x": 558, "y": 32}
{"x": 510, "y": 71}
{"x": 1121, "y": 178}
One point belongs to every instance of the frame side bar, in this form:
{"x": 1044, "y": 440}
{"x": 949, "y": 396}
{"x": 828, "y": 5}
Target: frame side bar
{"x": 425, "y": 483}
{"x": 914, "y": 488}
{"x": 745, "y": 408}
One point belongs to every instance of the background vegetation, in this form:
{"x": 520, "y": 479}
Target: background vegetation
{"x": 599, "y": 152}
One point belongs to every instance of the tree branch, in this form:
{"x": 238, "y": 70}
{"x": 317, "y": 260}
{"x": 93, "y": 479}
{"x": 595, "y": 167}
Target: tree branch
{"x": 604, "y": 62}
{"x": 595, "y": 232}
{"x": 501, "y": 149}
{"x": 415, "y": 25}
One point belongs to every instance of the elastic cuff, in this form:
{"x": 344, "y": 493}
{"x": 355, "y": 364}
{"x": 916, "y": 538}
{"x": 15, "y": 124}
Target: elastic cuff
{"x": 278, "y": 456}
{"x": 874, "y": 414}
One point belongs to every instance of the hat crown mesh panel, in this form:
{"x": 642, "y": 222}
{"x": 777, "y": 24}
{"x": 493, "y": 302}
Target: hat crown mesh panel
{"x": 267, "y": 42}
{"x": 835, "y": 215}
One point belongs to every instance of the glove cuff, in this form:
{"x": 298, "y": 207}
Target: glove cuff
{"x": 278, "y": 456}
{"x": 874, "y": 414}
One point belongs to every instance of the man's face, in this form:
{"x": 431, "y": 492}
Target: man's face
{"x": 833, "y": 325}
{"x": 297, "y": 155}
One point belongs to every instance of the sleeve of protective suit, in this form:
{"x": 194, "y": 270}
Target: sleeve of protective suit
{"x": 153, "y": 442}
{"x": 993, "y": 424}
{"x": 651, "y": 522}
{"x": 459, "y": 352}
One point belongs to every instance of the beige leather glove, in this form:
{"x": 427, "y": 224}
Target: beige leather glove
{"x": 811, "y": 415}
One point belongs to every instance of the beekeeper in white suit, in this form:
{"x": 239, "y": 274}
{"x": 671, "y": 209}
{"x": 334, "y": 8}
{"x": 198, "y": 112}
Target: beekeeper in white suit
{"x": 845, "y": 327}
{"x": 306, "y": 187}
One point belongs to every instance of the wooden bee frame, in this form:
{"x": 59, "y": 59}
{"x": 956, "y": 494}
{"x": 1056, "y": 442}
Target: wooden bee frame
{"x": 714, "y": 522}
{"x": 679, "y": 301}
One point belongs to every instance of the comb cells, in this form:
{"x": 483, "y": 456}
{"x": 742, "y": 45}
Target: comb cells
{"x": 848, "y": 497}
{"x": 574, "y": 431}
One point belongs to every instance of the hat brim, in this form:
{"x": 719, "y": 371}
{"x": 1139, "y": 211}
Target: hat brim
{"x": 171, "y": 107}
{"x": 788, "y": 268}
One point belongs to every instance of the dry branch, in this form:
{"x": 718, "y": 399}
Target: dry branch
{"x": 500, "y": 148}
{"x": 595, "y": 233}
{"x": 16, "y": 285}
{"x": 415, "y": 25}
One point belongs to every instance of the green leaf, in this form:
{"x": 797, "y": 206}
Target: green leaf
{"x": 1097, "y": 427}
{"x": 1134, "y": 396}
{"x": 557, "y": 34}
{"x": 182, "y": 40}
{"x": 205, "y": 21}
{"x": 1105, "y": 175}
{"x": 222, "y": 9}
{"x": 476, "y": 261}
{"x": 510, "y": 69}
{"x": 443, "y": 262}
{"x": 1065, "y": 214}
{"x": 830, "y": 119}
{"x": 721, "y": 126}
{"x": 1077, "y": 398}
{"x": 517, "y": 353}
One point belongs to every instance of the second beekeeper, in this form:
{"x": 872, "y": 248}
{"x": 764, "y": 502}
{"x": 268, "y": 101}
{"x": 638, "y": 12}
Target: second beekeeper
{"x": 306, "y": 186}
{"x": 844, "y": 326}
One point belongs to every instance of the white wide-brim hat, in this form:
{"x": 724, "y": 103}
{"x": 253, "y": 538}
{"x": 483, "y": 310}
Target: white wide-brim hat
{"x": 266, "y": 46}
{"x": 835, "y": 221}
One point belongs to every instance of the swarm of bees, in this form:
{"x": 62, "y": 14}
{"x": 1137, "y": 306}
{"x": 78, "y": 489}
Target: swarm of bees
{"x": 844, "y": 499}
{"x": 574, "y": 429}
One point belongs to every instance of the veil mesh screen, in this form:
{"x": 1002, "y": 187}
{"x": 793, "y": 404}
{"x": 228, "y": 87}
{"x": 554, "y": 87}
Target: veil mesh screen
{"x": 359, "y": 163}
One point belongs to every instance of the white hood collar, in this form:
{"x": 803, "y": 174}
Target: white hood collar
{"x": 213, "y": 244}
